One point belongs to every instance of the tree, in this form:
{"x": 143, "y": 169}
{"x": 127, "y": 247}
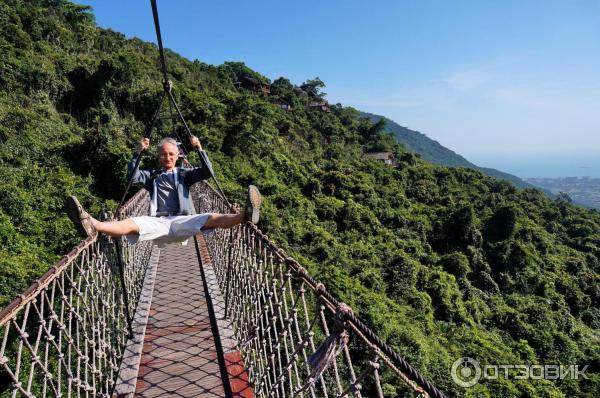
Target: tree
{"x": 563, "y": 197}
{"x": 313, "y": 88}
{"x": 501, "y": 224}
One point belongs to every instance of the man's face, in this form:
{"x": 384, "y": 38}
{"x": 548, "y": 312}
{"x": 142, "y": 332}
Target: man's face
{"x": 168, "y": 155}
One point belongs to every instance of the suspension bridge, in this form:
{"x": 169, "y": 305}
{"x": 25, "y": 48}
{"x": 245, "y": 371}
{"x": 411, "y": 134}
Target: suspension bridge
{"x": 228, "y": 315}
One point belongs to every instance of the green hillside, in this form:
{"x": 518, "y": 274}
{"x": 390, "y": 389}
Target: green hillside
{"x": 442, "y": 262}
{"x": 435, "y": 152}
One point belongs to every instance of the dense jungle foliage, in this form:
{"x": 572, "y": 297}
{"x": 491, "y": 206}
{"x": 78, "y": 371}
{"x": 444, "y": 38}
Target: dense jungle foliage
{"x": 442, "y": 262}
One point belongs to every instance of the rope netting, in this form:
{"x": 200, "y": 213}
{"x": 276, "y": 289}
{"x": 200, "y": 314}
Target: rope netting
{"x": 65, "y": 335}
{"x": 296, "y": 339}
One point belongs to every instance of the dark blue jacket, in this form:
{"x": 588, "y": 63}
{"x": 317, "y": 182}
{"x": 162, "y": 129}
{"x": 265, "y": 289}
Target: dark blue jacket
{"x": 184, "y": 179}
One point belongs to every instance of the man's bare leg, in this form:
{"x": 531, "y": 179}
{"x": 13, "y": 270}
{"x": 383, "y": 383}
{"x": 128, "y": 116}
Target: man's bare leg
{"x": 224, "y": 220}
{"x": 88, "y": 226}
{"x": 116, "y": 228}
{"x": 250, "y": 213}
{"x": 128, "y": 227}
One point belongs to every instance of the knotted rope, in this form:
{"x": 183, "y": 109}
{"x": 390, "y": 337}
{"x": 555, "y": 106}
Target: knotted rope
{"x": 326, "y": 353}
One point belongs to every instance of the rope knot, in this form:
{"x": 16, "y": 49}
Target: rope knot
{"x": 421, "y": 393}
{"x": 342, "y": 312}
{"x": 333, "y": 344}
{"x": 301, "y": 270}
{"x": 320, "y": 288}
{"x": 289, "y": 261}
{"x": 109, "y": 216}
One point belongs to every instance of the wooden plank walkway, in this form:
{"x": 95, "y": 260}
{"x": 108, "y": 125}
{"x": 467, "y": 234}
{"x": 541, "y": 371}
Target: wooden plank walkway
{"x": 179, "y": 355}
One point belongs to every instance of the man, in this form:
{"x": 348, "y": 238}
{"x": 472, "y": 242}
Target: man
{"x": 172, "y": 214}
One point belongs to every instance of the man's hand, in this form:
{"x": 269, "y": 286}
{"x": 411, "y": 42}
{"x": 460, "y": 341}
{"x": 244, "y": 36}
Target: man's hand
{"x": 195, "y": 142}
{"x": 143, "y": 145}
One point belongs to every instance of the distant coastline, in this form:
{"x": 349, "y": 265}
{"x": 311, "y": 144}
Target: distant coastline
{"x": 543, "y": 165}
{"x": 582, "y": 190}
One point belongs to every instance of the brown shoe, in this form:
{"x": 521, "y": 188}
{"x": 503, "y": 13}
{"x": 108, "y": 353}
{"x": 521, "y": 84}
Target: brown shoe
{"x": 253, "y": 204}
{"x": 79, "y": 217}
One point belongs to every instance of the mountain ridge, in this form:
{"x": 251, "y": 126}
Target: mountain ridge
{"x": 435, "y": 152}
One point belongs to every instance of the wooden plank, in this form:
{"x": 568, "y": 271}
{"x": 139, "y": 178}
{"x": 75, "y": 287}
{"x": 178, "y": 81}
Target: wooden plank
{"x": 128, "y": 373}
{"x": 179, "y": 357}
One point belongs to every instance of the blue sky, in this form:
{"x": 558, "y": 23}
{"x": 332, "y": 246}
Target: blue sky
{"x": 508, "y": 84}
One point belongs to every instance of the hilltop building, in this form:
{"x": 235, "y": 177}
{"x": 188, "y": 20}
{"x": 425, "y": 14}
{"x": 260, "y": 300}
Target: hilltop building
{"x": 300, "y": 92}
{"x": 251, "y": 83}
{"x": 385, "y": 157}
{"x": 284, "y": 105}
{"x": 322, "y": 106}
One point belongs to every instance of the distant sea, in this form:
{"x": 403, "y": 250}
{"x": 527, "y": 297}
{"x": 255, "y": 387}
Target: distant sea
{"x": 542, "y": 165}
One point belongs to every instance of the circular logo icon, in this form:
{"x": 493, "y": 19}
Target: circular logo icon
{"x": 466, "y": 372}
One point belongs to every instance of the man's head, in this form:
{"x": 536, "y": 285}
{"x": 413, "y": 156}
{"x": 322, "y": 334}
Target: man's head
{"x": 168, "y": 153}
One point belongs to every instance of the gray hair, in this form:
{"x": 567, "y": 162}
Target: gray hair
{"x": 167, "y": 140}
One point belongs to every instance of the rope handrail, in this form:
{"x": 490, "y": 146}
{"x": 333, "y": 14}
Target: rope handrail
{"x": 274, "y": 309}
{"x": 66, "y": 333}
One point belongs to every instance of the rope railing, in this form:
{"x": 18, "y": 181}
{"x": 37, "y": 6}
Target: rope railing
{"x": 65, "y": 335}
{"x": 296, "y": 339}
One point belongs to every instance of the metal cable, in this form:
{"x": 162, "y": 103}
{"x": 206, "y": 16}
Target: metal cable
{"x": 161, "y": 51}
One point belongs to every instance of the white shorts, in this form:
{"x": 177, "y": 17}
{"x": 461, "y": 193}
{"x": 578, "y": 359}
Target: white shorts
{"x": 163, "y": 230}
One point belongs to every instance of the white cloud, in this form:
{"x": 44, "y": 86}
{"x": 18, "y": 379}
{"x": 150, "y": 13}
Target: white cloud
{"x": 468, "y": 79}
{"x": 482, "y": 75}
{"x": 384, "y": 102}
{"x": 552, "y": 99}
